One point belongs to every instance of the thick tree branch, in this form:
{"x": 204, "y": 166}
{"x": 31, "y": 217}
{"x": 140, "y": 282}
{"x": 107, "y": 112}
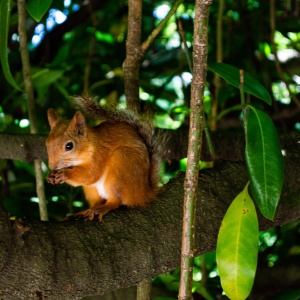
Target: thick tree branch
{"x": 68, "y": 260}
{"x": 229, "y": 146}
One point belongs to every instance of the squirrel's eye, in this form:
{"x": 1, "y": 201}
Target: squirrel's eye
{"x": 69, "y": 146}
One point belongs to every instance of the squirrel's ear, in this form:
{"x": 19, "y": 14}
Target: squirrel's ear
{"x": 77, "y": 124}
{"x": 52, "y": 117}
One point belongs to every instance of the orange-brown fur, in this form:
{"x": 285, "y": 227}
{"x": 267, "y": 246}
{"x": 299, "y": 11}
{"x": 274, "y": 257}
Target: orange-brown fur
{"x": 114, "y": 154}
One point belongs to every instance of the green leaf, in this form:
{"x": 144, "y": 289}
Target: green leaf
{"x": 232, "y": 75}
{"x": 5, "y": 8}
{"x": 45, "y": 77}
{"x": 237, "y": 247}
{"x": 264, "y": 160}
{"x": 37, "y": 8}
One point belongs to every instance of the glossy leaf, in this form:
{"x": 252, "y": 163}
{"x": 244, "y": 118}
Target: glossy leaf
{"x": 37, "y": 8}
{"x": 237, "y": 247}
{"x": 232, "y": 75}
{"x": 264, "y": 160}
{"x": 5, "y": 8}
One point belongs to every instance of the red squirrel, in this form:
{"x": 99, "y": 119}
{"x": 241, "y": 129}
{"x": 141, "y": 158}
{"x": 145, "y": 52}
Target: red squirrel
{"x": 116, "y": 162}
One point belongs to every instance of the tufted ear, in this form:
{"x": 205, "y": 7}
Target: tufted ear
{"x": 52, "y": 117}
{"x": 77, "y": 124}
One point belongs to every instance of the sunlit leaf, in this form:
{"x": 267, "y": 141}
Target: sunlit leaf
{"x": 264, "y": 160}
{"x": 5, "y": 8}
{"x": 232, "y": 75}
{"x": 37, "y": 8}
{"x": 237, "y": 247}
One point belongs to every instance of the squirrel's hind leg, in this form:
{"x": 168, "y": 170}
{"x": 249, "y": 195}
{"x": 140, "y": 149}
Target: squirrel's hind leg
{"x": 98, "y": 206}
{"x": 97, "y": 211}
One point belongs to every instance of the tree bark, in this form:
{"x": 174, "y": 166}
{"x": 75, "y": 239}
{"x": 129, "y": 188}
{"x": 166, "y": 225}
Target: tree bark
{"x": 229, "y": 146}
{"x": 200, "y": 50}
{"x": 68, "y": 260}
{"x": 133, "y": 55}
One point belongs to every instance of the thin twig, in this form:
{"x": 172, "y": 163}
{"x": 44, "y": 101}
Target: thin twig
{"x": 242, "y": 94}
{"x": 194, "y": 146}
{"x": 159, "y": 28}
{"x": 87, "y": 70}
{"x": 205, "y": 127}
{"x": 242, "y": 89}
{"x": 31, "y": 105}
{"x": 217, "y": 78}
{"x": 185, "y": 46}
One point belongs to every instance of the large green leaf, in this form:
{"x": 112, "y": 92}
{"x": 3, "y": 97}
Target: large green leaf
{"x": 264, "y": 160}
{"x": 237, "y": 247}
{"x": 232, "y": 75}
{"x": 37, "y": 8}
{"x": 5, "y": 8}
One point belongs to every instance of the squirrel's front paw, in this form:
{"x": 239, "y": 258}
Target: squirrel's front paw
{"x": 56, "y": 177}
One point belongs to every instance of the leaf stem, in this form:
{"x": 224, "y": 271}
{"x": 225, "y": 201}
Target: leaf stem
{"x": 210, "y": 145}
{"x": 185, "y": 46}
{"x": 242, "y": 93}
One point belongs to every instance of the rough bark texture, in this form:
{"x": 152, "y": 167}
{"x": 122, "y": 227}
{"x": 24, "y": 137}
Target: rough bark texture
{"x": 24, "y": 147}
{"x": 68, "y": 260}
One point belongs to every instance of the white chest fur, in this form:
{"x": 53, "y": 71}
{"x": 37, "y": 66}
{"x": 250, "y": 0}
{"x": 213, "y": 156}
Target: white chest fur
{"x": 99, "y": 185}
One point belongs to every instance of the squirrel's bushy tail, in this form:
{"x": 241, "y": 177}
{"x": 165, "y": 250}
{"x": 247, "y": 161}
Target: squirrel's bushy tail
{"x": 154, "y": 140}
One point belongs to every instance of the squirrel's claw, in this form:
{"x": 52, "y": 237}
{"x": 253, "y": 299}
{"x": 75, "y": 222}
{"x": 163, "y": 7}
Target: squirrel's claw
{"x": 56, "y": 177}
{"x": 87, "y": 214}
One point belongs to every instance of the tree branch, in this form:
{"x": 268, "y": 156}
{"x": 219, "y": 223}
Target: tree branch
{"x": 133, "y": 55}
{"x": 68, "y": 260}
{"x": 40, "y": 190}
{"x": 200, "y": 50}
{"x": 229, "y": 146}
{"x": 151, "y": 38}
